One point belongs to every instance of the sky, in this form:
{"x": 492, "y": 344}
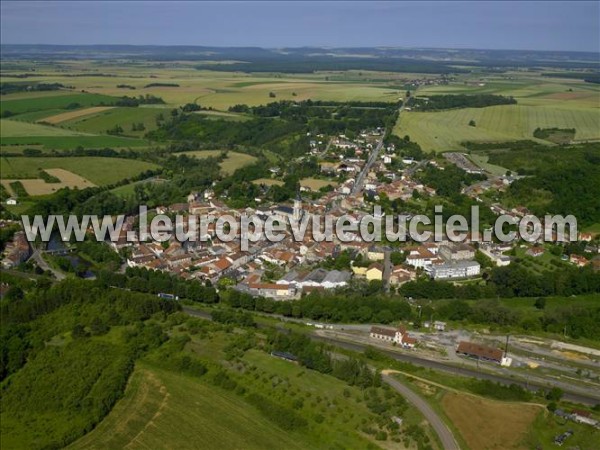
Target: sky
{"x": 535, "y": 25}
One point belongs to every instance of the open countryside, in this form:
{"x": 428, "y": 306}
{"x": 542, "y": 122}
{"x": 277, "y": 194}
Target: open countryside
{"x": 62, "y": 117}
{"x": 42, "y": 187}
{"x": 294, "y": 342}
{"x": 98, "y": 170}
{"x": 446, "y": 130}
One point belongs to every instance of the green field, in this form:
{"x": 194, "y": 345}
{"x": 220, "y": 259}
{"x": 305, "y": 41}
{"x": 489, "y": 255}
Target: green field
{"x": 13, "y": 128}
{"x": 37, "y": 103}
{"x": 223, "y": 115}
{"x": 233, "y": 161}
{"x": 445, "y": 130}
{"x": 220, "y": 90}
{"x": 98, "y": 170}
{"x": 124, "y": 117}
{"x": 529, "y": 89}
{"x": 164, "y": 410}
{"x": 482, "y": 161}
{"x": 71, "y": 142}
{"x": 34, "y": 116}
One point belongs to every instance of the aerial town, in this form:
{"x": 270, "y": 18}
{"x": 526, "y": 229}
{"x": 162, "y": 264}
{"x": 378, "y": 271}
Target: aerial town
{"x": 300, "y": 225}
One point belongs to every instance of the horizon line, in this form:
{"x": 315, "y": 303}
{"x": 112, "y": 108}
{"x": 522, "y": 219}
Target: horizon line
{"x": 304, "y": 47}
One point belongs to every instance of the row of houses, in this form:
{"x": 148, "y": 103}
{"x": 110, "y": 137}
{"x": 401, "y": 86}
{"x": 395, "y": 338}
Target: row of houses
{"x": 17, "y": 250}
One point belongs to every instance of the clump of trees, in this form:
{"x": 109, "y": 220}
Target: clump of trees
{"x": 453, "y": 101}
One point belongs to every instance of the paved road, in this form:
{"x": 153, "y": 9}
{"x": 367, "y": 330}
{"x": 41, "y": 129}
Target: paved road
{"x": 42, "y": 264}
{"x": 387, "y": 270}
{"x": 438, "y": 425}
{"x": 363, "y": 173}
{"x": 588, "y": 397}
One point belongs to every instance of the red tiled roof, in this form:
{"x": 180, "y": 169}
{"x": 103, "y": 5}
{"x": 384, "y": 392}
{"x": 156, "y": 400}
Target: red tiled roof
{"x": 481, "y": 351}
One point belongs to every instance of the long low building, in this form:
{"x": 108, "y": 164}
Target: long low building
{"x": 269, "y": 290}
{"x": 327, "y": 279}
{"x": 478, "y": 351}
{"x": 459, "y": 269}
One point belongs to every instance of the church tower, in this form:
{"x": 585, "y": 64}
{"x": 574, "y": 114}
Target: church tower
{"x": 298, "y": 207}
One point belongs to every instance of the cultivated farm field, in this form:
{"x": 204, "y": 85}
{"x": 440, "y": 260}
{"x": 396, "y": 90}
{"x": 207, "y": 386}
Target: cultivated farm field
{"x": 41, "y": 187}
{"x": 97, "y": 170}
{"x": 71, "y": 115}
{"x": 35, "y": 102}
{"x": 445, "y": 130}
{"x": 123, "y": 117}
{"x": 487, "y": 424}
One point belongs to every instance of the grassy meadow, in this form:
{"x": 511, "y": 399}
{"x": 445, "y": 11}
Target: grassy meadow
{"x": 233, "y": 161}
{"x": 163, "y": 409}
{"x": 123, "y": 117}
{"x": 13, "y": 128}
{"x": 98, "y": 170}
{"x": 35, "y": 102}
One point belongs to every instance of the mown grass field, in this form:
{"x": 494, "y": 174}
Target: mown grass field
{"x": 233, "y": 161}
{"x": 98, "y": 170}
{"x": 445, "y": 130}
{"x": 164, "y": 410}
{"x": 487, "y": 424}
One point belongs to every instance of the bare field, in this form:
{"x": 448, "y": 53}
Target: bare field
{"x": 488, "y": 424}
{"x": 63, "y": 117}
{"x": 40, "y": 187}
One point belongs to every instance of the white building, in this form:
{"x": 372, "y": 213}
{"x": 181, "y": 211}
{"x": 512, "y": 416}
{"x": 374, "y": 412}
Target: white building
{"x": 459, "y": 269}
